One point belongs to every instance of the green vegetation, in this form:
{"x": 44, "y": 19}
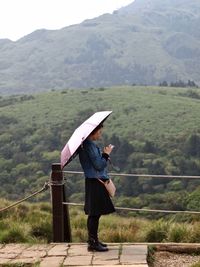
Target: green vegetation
{"x": 32, "y": 223}
{"x": 195, "y": 264}
{"x": 26, "y": 223}
{"x": 150, "y": 256}
{"x": 155, "y": 130}
{"x": 20, "y": 264}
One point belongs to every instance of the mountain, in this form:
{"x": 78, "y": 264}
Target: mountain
{"x": 146, "y": 42}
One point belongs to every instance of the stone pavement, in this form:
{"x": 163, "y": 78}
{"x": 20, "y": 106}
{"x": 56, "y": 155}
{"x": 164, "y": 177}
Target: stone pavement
{"x": 72, "y": 254}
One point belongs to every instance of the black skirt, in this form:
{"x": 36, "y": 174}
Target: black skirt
{"x": 97, "y": 199}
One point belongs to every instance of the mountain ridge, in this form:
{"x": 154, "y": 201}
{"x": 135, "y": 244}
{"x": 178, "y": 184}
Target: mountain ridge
{"x": 127, "y": 47}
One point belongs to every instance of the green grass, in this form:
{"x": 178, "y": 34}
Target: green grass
{"x": 195, "y": 264}
{"x": 150, "y": 256}
{"x": 37, "y": 264}
{"x": 35, "y": 226}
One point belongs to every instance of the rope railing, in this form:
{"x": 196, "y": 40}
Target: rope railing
{"x": 145, "y": 210}
{"x": 44, "y": 188}
{"x": 143, "y": 175}
{"x": 47, "y": 184}
{"x": 60, "y": 215}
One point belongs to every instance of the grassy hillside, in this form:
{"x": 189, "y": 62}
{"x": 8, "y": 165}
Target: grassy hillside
{"x": 154, "y": 129}
{"x": 152, "y": 113}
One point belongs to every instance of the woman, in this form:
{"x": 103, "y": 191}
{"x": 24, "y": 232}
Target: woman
{"x": 97, "y": 200}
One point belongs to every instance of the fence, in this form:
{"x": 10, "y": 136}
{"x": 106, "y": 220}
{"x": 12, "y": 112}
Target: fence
{"x": 61, "y": 220}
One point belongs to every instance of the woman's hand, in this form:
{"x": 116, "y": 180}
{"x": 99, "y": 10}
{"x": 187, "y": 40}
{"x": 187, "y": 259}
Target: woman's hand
{"x": 108, "y": 149}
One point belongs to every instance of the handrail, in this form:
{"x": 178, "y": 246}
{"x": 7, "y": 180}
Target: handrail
{"x": 44, "y": 188}
{"x": 145, "y": 210}
{"x": 143, "y": 175}
{"x": 58, "y": 172}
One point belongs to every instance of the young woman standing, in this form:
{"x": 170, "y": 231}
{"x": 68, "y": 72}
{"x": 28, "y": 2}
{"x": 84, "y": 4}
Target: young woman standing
{"x": 97, "y": 199}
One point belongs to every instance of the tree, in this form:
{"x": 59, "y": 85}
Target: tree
{"x": 192, "y": 147}
{"x": 164, "y": 84}
{"x": 193, "y": 200}
{"x": 149, "y": 147}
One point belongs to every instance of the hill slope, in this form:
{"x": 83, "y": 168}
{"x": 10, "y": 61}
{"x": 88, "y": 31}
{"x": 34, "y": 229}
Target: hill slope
{"x": 154, "y": 130}
{"x": 144, "y": 43}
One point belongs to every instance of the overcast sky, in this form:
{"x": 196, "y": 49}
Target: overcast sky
{"x": 21, "y": 17}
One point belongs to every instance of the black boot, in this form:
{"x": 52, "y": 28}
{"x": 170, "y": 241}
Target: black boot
{"x": 103, "y": 244}
{"x": 94, "y": 245}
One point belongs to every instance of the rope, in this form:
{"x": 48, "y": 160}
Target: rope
{"x": 57, "y": 183}
{"x": 44, "y": 188}
{"x": 146, "y": 210}
{"x": 143, "y": 175}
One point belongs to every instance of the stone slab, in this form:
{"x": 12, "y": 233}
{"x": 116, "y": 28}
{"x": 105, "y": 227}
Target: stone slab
{"x": 133, "y": 259}
{"x": 105, "y": 262}
{"x": 52, "y": 262}
{"x": 10, "y": 255}
{"x": 33, "y": 254}
{"x": 134, "y": 250}
{"x": 24, "y": 260}
{"x": 78, "y": 250}
{"x": 78, "y": 261}
{"x": 59, "y": 250}
{"x": 109, "y": 255}
{"x": 130, "y": 265}
{"x": 10, "y": 248}
{"x": 39, "y": 247}
{"x": 107, "y": 265}
{"x": 70, "y": 254}
{"x": 113, "y": 247}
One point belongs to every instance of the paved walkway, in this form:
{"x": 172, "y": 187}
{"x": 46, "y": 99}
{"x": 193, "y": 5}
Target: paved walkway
{"x": 57, "y": 255}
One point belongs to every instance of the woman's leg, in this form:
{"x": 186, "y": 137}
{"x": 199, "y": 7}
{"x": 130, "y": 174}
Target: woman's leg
{"x": 92, "y": 225}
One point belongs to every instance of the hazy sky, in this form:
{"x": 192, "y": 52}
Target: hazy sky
{"x": 21, "y": 17}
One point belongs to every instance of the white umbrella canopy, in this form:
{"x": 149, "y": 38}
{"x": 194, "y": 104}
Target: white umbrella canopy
{"x": 80, "y": 134}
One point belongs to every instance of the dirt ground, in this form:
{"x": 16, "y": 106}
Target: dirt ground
{"x": 169, "y": 259}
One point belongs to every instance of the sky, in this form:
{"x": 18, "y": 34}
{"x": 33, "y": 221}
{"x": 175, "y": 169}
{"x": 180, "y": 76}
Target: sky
{"x": 21, "y": 17}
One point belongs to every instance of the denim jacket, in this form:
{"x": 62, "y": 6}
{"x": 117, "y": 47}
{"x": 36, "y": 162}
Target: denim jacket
{"x": 93, "y": 162}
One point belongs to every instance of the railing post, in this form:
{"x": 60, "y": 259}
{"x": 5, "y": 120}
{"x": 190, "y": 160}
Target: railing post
{"x": 61, "y": 221}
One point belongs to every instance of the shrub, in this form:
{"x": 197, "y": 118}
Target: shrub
{"x": 123, "y": 230}
{"x": 79, "y": 221}
{"x": 196, "y": 264}
{"x": 42, "y": 230}
{"x": 179, "y": 233}
{"x": 79, "y": 235}
{"x": 195, "y": 235}
{"x": 120, "y": 235}
{"x": 46, "y": 207}
{"x": 157, "y": 232}
{"x": 15, "y": 234}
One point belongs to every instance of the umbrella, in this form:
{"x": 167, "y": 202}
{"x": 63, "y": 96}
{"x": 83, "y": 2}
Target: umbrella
{"x": 80, "y": 134}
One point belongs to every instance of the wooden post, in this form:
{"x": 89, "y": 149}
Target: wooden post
{"x": 61, "y": 221}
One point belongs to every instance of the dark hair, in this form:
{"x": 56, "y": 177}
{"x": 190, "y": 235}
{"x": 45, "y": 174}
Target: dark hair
{"x": 97, "y": 128}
